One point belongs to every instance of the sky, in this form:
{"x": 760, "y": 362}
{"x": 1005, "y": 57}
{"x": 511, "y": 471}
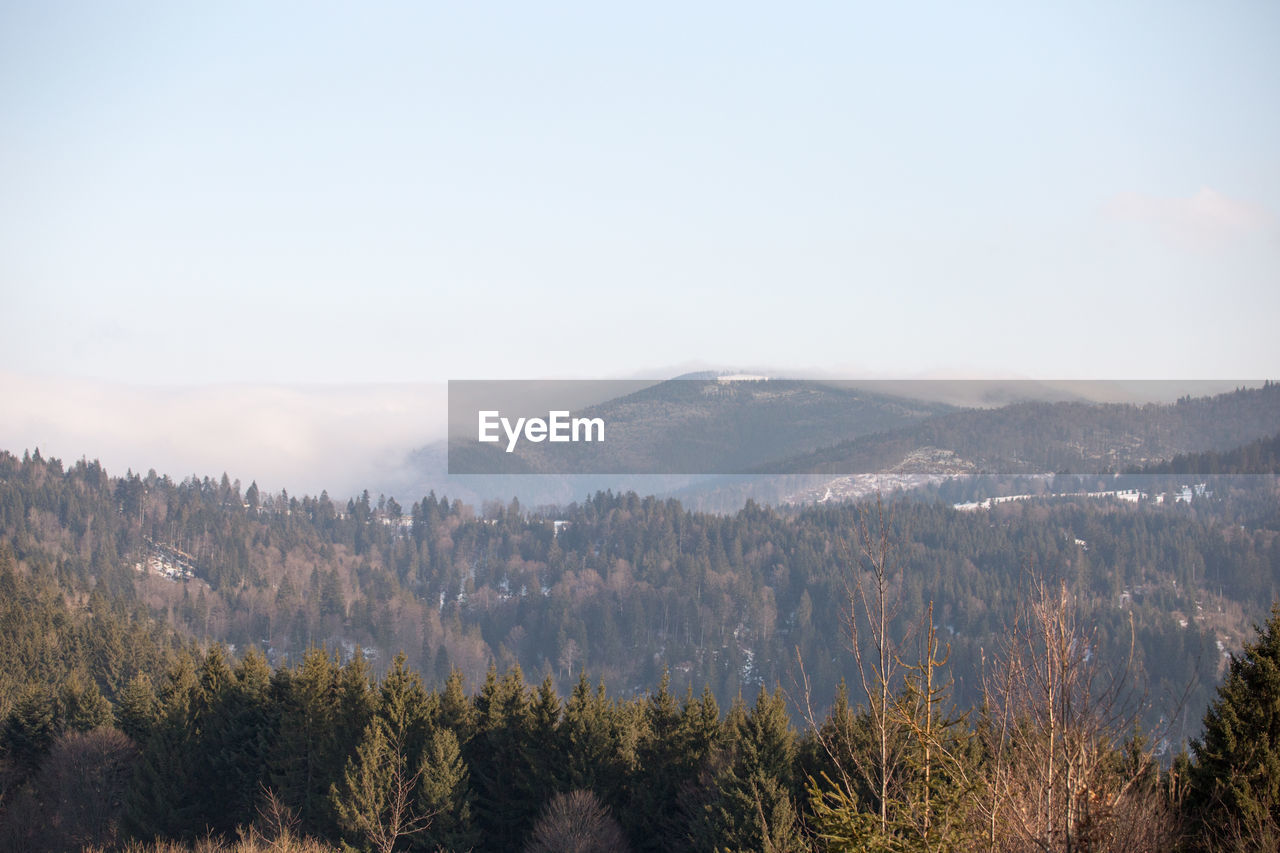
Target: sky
{"x": 220, "y": 196}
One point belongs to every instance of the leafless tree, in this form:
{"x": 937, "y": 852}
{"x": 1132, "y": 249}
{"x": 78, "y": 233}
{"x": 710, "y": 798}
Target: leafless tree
{"x": 378, "y": 799}
{"x": 77, "y": 798}
{"x": 873, "y": 599}
{"x": 915, "y": 750}
{"x": 1058, "y": 717}
{"x": 576, "y": 822}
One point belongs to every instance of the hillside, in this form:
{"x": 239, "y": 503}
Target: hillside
{"x": 1076, "y": 437}
{"x": 620, "y": 586}
{"x": 691, "y": 426}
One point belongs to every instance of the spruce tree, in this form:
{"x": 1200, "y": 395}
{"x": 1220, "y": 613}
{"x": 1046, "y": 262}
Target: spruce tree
{"x": 303, "y": 760}
{"x": 444, "y": 793}
{"x": 137, "y": 710}
{"x": 508, "y": 796}
{"x": 752, "y": 807}
{"x": 667, "y": 765}
{"x": 376, "y": 800}
{"x": 164, "y": 799}
{"x": 403, "y": 706}
{"x": 1235, "y": 777}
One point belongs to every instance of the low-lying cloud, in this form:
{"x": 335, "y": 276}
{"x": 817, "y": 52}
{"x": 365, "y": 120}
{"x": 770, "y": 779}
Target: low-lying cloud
{"x": 301, "y": 438}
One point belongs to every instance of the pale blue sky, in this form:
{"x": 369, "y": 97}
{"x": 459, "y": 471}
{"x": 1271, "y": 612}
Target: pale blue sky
{"x": 310, "y": 193}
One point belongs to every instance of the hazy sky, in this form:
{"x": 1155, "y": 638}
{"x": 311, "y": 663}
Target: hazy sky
{"x": 194, "y": 193}
{"x": 252, "y": 199}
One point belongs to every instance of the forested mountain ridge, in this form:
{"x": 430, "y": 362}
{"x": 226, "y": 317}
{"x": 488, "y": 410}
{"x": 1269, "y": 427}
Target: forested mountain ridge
{"x": 706, "y": 425}
{"x": 619, "y": 585}
{"x": 1079, "y": 437}
{"x": 171, "y": 741}
{"x": 103, "y": 576}
{"x": 795, "y": 439}
{"x": 1257, "y": 457}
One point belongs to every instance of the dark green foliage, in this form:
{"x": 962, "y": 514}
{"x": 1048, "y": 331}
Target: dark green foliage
{"x": 402, "y": 706}
{"x": 597, "y": 741}
{"x": 137, "y": 710}
{"x": 164, "y": 799}
{"x": 237, "y": 723}
{"x": 444, "y": 792}
{"x": 1235, "y": 775}
{"x": 31, "y": 728}
{"x": 83, "y": 706}
{"x": 376, "y": 798}
{"x": 748, "y": 804}
{"x": 304, "y": 756}
{"x": 501, "y": 758}
{"x": 628, "y": 584}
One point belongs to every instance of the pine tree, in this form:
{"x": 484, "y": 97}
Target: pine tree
{"x": 236, "y": 740}
{"x": 445, "y": 793}
{"x": 508, "y": 796}
{"x": 666, "y": 765}
{"x": 137, "y": 710}
{"x": 590, "y": 741}
{"x": 403, "y": 707}
{"x": 355, "y": 707}
{"x": 546, "y": 737}
{"x": 164, "y": 797}
{"x": 455, "y": 711}
{"x": 84, "y": 708}
{"x": 752, "y": 807}
{"x": 31, "y": 728}
{"x": 1235, "y": 775}
{"x": 376, "y": 800}
{"x": 303, "y": 759}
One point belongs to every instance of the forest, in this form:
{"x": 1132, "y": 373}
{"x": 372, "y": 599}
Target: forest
{"x": 239, "y": 664}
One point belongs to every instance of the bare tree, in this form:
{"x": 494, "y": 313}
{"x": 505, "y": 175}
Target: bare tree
{"x": 576, "y": 822}
{"x": 1057, "y": 720}
{"x": 276, "y": 825}
{"x": 82, "y": 786}
{"x": 378, "y": 798}
{"x": 872, "y": 597}
{"x": 903, "y": 753}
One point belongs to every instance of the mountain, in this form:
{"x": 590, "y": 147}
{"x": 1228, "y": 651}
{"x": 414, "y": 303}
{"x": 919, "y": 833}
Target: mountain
{"x": 1077, "y": 437}
{"x": 716, "y": 441}
{"x": 699, "y": 426}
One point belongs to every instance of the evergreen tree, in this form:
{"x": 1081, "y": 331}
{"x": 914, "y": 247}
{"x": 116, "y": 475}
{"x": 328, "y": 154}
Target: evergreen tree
{"x": 31, "y": 728}
{"x": 303, "y": 759}
{"x": 668, "y": 759}
{"x": 444, "y": 793}
{"x": 508, "y": 795}
{"x": 546, "y": 738}
{"x": 455, "y": 711}
{"x": 376, "y": 800}
{"x": 752, "y": 806}
{"x": 235, "y": 734}
{"x": 164, "y": 799}
{"x": 137, "y": 710}
{"x": 591, "y": 743}
{"x": 1235, "y": 775}
{"x": 83, "y": 706}
{"x": 403, "y": 706}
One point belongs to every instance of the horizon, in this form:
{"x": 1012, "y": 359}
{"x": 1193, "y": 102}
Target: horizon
{"x": 343, "y": 438}
{"x": 294, "y": 214}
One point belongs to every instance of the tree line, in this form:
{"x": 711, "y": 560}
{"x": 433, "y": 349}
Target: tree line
{"x": 324, "y": 753}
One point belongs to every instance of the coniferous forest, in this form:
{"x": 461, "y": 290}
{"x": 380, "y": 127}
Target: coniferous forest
{"x": 194, "y": 660}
